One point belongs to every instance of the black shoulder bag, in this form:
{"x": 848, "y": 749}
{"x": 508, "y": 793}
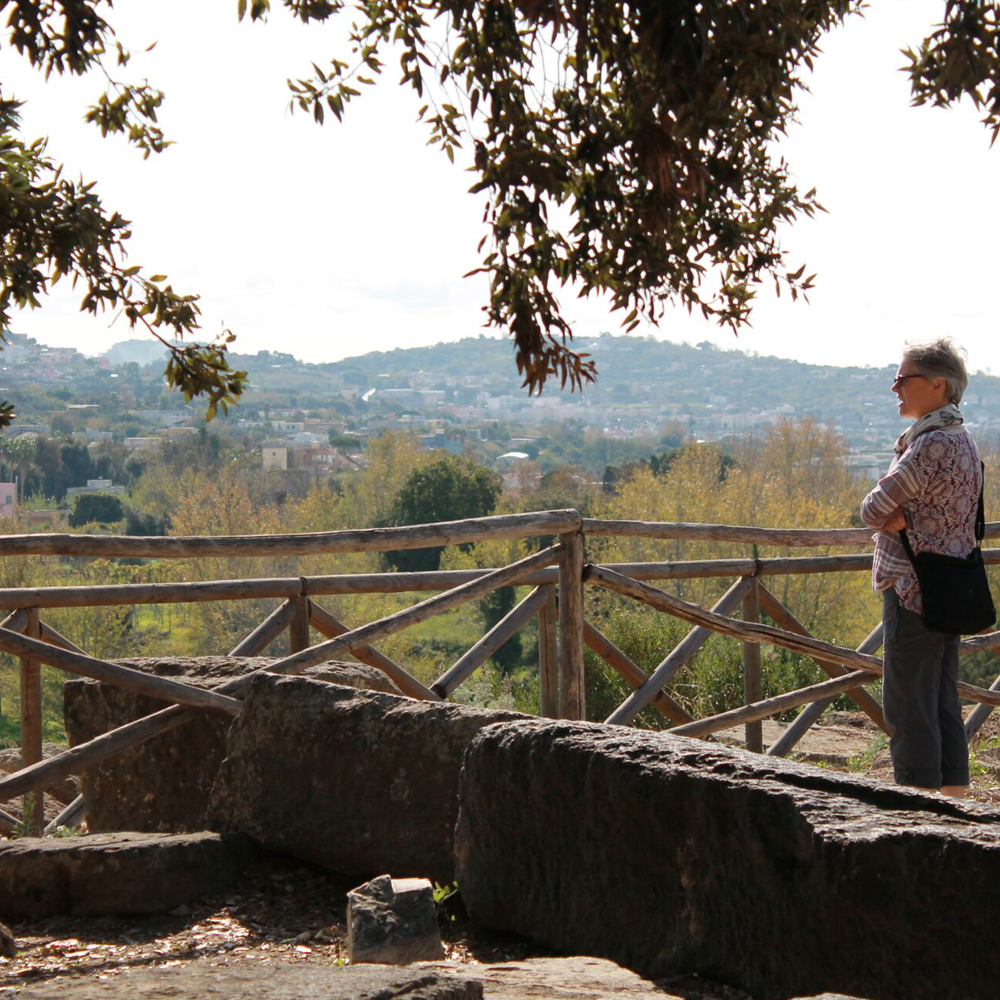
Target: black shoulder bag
{"x": 955, "y": 592}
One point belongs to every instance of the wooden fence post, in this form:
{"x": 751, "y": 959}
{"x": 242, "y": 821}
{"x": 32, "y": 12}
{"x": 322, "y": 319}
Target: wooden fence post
{"x": 752, "y": 687}
{"x": 33, "y": 804}
{"x": 298, "y": 628}
{"x": 572, "y": 697}
{"x": 548, "y": 655}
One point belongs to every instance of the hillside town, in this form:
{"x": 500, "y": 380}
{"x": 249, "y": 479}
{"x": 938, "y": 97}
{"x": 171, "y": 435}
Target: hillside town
{"x": 307, "y": 422}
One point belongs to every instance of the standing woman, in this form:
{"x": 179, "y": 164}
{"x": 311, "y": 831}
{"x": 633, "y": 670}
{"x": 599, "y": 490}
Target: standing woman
{"x": 932, "y": 491}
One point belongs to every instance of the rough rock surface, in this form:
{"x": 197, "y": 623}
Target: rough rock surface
{"x": 393, "y": 921}
{"x": 114, "y": 872}
{"x": 576, "y": 978}
{"x": 63, "y": 791}
{"x": 164, "y": 784}
{"x": 356, "y": 782}
{"x": 8, "y": 943}
{"x": 203, "y": 979}
{"x": 672, "y": 856}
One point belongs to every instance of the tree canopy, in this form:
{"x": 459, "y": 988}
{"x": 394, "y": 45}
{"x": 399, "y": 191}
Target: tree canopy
{"x": 449, "y": 489}
{"x": 622, "y": 148}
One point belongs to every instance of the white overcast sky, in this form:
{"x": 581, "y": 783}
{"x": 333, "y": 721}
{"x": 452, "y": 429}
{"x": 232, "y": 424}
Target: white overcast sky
{"x": 330, "y": 242}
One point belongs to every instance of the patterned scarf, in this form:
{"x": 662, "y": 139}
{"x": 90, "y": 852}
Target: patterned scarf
{"x": 947, "y": 416}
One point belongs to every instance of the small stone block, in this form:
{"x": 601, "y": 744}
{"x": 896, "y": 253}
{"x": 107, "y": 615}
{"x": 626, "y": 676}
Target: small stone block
{"x": 393, "y": 921}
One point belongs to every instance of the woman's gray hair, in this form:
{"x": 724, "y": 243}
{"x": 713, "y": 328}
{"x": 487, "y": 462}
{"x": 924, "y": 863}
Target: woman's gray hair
{"x": 941, "y": 359}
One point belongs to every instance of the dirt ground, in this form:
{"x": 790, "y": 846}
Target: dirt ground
{"x": 279, "y": 913}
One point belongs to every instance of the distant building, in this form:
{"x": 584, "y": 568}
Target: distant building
{"x": 274, "y": 457}
{"x": 45, "y": 518}
{"x": 142, "y": 443}
{"x": 8, "y": 500}
{"x": 94, "y": 486}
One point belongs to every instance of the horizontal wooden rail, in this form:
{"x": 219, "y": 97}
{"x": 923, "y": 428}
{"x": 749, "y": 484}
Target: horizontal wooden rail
{"x": 754, "y": 632}
{"x": 478, "y": 654}
{"x": 748, "y": 534}
{"x": 412, "y": 536}
{"x": 113, "y": 673}
{"x": 285, "y": 588}
{"x": 109, "y": 595}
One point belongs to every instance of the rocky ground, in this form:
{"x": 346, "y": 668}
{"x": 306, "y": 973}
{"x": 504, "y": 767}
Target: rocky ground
{"x": 282, "y": 914}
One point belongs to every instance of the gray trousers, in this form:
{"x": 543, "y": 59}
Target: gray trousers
{"x": 920, "y": 700}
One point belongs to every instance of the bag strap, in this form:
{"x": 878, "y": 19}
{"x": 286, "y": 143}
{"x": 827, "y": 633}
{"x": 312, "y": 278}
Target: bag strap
{"x": 980, "y": 522}
{"x": 980, "y": 515}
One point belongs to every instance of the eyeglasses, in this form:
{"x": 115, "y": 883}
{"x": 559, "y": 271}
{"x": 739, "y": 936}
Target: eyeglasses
{"x": 903, "y": 378}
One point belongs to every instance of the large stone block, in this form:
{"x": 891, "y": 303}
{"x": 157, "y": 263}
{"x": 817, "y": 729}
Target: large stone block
{"x": 114, "y": 872}
{"x": 164, "y": 784}
{"x": 357, "y": 782}
{"x": 671, "y": 856}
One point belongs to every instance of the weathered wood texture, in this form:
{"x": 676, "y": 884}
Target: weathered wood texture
{"x": 267, "y": 631}
{"x": 975, "y": 643}
{"x": 389, "y": 625}
{"x": 809, "y": 715}
{"x": 631, "y": 672}
{"x": 16, "y": 620}
{"x": 8, "y": 823}
{"x": 753, "y": 687}
{"x": 816, "y": 648}
{"x": 298, "y": 628}
{"x": 54, "y": 638}
{"x": 414, "y": 536}
{"x": 112, "y": 673}
{"x": 478, "y": 654}
{"x": 548, "y": 654}
{"x": 150, "y": 593}
{"x": 71, "y": 815}
{"x": 333, "y": 628}
{"x": 748, "y": 534}
{"x": 33, "y": 807}
{"x": 772, "y": 706}
{"x": 572, "y": 686}
{"x": 975, "y": 719}
{"x": 111, "y": 595}
{"x": 786, "y": 620}
{"x": 677, "y": 657}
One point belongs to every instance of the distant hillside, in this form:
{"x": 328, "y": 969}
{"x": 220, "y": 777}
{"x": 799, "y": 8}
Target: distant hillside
{"x": 140, "y": 352}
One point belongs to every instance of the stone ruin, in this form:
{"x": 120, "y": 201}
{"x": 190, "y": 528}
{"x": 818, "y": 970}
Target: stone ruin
{"x": 664, "y": 854}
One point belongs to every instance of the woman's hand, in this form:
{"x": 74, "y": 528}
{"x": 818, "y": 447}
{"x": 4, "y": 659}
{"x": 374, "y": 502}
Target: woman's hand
{"x": 897, "y": 521}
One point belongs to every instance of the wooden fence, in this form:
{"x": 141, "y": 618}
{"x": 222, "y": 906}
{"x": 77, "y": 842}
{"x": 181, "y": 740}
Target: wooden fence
{"x": 558, "y": 574}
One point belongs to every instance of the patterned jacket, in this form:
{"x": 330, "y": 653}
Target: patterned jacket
{"x": 936, "y": 481}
